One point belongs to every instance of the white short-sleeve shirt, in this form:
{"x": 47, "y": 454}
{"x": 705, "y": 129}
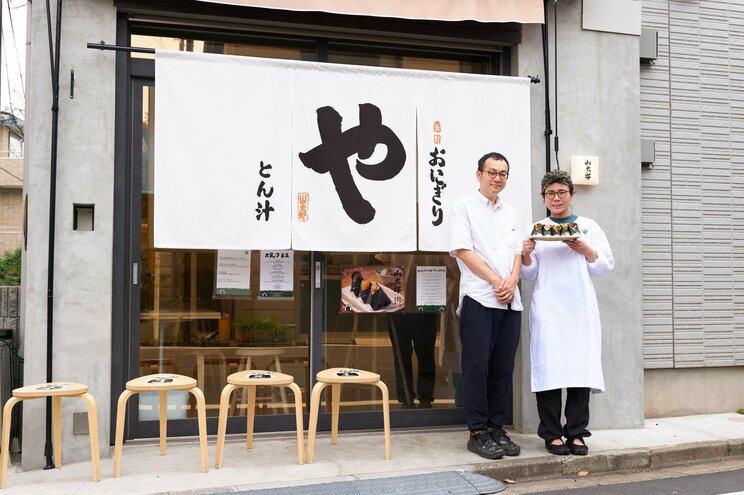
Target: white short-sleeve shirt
{"x": 492, "y": 233}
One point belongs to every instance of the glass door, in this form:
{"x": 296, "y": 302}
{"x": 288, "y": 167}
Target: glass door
{"x": 415, "y": 349}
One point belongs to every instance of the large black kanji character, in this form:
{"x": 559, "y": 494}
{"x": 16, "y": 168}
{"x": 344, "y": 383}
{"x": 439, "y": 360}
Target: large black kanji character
{"x": 264, "y": 209}
{"x": 336, "y": 146}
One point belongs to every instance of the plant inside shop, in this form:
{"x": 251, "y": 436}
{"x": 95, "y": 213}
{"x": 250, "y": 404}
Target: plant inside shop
{"x": 255, "y": 330}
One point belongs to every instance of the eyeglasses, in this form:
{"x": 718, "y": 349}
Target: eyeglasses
{"x": 552, "y": 194}
{"x": 492, "y": 174}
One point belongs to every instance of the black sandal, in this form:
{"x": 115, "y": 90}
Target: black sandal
{"x": 560, "y": 449}
{"x": 578, "y": 449}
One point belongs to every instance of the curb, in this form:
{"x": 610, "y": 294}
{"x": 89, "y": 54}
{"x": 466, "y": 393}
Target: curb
{"x": 613, "y": 461}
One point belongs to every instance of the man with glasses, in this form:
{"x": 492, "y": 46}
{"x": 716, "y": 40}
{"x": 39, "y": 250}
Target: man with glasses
{"x": 484, "y": 240}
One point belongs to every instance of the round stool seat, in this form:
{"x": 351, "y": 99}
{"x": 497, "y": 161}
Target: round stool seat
{"x": 340, "y": 375}
{"x": 161, "y": 382}
{"x": 253, "y": 377}
{"x": 53, "y": 389}
{"x": 259, "y": 351}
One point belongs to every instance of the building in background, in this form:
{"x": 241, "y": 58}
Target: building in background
{"x": 11, "y": 182}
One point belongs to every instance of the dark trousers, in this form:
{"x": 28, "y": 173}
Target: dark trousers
{"x": 489, "y": 344}
{"x": 577, "y": 413}
{"x": 411, "y": 332}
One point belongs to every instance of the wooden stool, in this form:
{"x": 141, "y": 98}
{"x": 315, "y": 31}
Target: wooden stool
{"x": 56, "y": 391}
{"x": 161, "y": 383}
{"x": 250, "y": 379}
{"x": 247, "y": 354}
{"x": 337, "y": 377}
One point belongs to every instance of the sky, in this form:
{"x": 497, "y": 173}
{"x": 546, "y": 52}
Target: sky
{"x": 13, "y": 66}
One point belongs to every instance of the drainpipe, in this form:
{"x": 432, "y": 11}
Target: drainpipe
{"x": 54, "y": 63}
{"x": 546, "y": 68}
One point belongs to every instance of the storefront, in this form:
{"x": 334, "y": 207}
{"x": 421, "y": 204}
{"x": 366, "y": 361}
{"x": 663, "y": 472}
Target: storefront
{"x": 179, "y": 322}
{"x": 124, "y": 305}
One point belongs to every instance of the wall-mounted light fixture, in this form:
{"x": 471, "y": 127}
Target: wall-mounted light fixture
{"x": 585, "y": 170}
{"x": 648, "y": 152}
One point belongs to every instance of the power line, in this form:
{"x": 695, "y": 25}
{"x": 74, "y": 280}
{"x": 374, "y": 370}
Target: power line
{"x": 10, "y": 173}
{"x": 7, "y": 77}
{"x": 15, "y": 46}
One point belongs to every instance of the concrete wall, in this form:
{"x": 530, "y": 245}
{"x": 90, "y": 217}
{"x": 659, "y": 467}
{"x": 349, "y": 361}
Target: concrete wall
{"x": 683, "y": 392}
{"x": 598, "y": 114}
{"x": 82, "y": 280}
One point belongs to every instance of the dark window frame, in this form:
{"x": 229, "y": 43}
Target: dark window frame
{"x": 463, "y": 39}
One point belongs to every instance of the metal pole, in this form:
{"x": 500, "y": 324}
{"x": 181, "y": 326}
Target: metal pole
{"x": 54, "y": 55}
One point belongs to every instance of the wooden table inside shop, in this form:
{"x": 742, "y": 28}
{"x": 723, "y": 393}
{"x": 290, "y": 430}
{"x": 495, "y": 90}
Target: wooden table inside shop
{"x": 228, "y": 358}
{"x": 176, "y": 317}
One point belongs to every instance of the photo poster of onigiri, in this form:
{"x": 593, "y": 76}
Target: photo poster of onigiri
{"x": 372, "y": 289}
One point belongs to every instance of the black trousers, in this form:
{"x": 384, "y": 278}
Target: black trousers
{"x": 411, "y": 332}
{"x": 489, "y": 344}
{"x": 577, "y": 413}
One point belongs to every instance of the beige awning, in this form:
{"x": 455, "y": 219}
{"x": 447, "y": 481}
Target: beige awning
{"x": 523, "y": 11}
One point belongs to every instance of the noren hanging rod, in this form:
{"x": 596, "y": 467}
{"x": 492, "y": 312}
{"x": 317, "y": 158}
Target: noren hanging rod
{"x": 132, "y": 49}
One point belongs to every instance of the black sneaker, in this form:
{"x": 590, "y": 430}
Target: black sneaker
{"x": 482, "y": 444}
{"x": 502, "y": 440}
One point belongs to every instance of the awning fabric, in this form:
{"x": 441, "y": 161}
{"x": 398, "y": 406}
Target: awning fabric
{"x": 522, "y": 11}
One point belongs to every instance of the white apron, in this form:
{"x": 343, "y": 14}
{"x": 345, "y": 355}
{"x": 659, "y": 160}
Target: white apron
{"x": 565, "y": 330}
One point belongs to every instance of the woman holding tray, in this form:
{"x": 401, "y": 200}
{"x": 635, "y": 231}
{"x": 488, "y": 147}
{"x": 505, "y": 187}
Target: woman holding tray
{"x": 565, "y": 330}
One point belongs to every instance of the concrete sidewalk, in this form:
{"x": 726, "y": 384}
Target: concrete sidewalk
{"x": 361, "y": 455}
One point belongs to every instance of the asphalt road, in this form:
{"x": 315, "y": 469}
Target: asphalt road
{"x": 725, "y": 483}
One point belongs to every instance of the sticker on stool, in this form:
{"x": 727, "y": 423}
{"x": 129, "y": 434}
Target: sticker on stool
{"x": 261, "y": 374}
{"x": 347, "y": 373}
{"x": 163, "y": 379}
{"x": 52, "y": 386}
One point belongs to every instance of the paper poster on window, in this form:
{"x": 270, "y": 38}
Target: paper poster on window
{"x": 277, "y": 274}
{"x": 233, "y": 273}
{"x": 431, "y": 289}
{"x": 372, "y": 289}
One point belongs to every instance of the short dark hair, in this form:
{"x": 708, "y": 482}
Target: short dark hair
{"x": 556, "y": 177}
{"x": 492, "y": 156}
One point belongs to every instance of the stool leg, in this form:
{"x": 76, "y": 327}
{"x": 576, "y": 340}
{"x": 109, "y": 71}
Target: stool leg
{"x": 7, "y": 410}
{"x": 248, "y": 366}
{"x": 386, "y": 416}
{"x": 335, "y": 406}
{"x": 314, "y": 407}
{"x": 222, "y": 424}
{"x": 95, "y": 458}
{"x": 57, "y": 431}
{"x": 201, "y": 411}
{"x": 283, "y": 393}
{"x": 121, "y": 411}
{"x": 250, "y": 412}
{"x": 163, "y": 416}
{"x": 298, "y": 417}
